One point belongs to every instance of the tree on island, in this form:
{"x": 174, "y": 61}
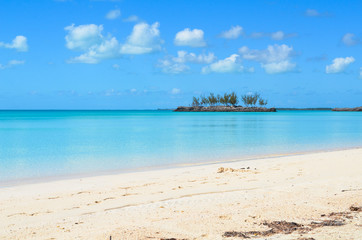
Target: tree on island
{"x": 249, "y": 100}
{"x": 212, "y": 99}
{"x": 204, "y": 100}
{"x": 226, "y": 99}
{"x": 233, "y": 99}
{"x": 195, "y": 102}
{"x": 263, "y": 102}
{"x": 218, "y": 99}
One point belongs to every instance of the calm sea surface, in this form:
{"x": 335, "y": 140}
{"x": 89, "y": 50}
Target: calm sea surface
{"x": 36, "y": 144}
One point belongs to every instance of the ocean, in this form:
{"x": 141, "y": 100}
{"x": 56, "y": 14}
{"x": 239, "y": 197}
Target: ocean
{"x": 43, "y": 144}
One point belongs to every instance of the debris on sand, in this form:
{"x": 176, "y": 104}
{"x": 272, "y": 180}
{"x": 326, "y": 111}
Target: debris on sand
{"x": 222, "y": 170}
{"x": 355, "y": 209}
{"x": 327, "y": 223}
{"x": 171, "y": 239}
{"x": 276, "y": 227}
{"x": 284, "y": 227}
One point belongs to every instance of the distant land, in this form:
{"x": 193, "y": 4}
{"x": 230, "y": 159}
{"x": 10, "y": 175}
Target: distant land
{"x": 253, "y": 109}
{"x": 224, "y": 109}
{"x": 309, "y": 109}
{"x": 356, "y": 109}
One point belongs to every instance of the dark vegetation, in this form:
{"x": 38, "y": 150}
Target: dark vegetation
{"x": 334, "y": 219}
{"x": 229, "y": 99}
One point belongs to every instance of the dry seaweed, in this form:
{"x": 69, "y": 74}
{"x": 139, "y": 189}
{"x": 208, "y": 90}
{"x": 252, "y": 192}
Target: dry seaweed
{"x": 327, "y": 223}
{"x": 276, "y": 227}
{"x": 355, "y": 209}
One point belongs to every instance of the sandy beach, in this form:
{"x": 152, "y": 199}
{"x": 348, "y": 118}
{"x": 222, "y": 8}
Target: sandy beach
{"x": 306, "y": 196}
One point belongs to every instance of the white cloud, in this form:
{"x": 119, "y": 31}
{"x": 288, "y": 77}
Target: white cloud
{"x": 278, "y": 67}
{"x": 83, "y": 37}
{"x": 360, "y": 72}
{"x": 113, "y": 14}
{"x": 144, "y": 38}
{"x": 11, "y": 63}
{"x": 107, "y": 49}
{"x": 96, "y": 47}
{"x": 132, "y": 18}
{"x": 278, "y": 35}
{"x": 274, "y": 59}
{"x": 19, "y": 43}
{"x": 339, "y": 64}
{"x": 227, "y": 65}
{"x": 350, "y": 39}
{"x": 175, "y": 65}
{"x": 168, "y": 66}
{"x": 184, "y": 56}
{"x": 175, "y": 91}
{"x": 191, "y": 38}
{"x": 233, "y": 33}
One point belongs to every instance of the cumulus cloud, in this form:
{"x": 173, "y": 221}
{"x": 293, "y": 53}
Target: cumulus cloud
{"x": 19, "y": 43}
{"x": 350, "y": 39}
{"x": 227, "y": 65}
{"x": 339, "y": 65}
{"x": 274, "y": 59}
{"x": 113, "y": 14}
{"x": 175, "y": 65}
{"x": 233, "y": 33}
{"x": 144, "y": 38}
{"x": 191, "y": 38}
{"x": 107, "y": 49}
{"x": 83, "y": 37}
{"x": 278, "y": 67}
{"x": 11, "y": 63}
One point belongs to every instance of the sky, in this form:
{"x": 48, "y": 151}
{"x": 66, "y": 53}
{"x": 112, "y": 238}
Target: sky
{"x": 142, "y": 54}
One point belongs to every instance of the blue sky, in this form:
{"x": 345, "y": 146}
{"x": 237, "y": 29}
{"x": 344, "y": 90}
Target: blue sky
{"x": 143, "y": 54}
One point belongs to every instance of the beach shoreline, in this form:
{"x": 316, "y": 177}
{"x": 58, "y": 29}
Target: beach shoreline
{"x": 254, "y": 157}
{"x": 207, "y": 201}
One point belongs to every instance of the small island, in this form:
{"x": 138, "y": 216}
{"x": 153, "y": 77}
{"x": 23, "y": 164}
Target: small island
{"x": 356, "y": 109}
{"x": 227, "y": 103}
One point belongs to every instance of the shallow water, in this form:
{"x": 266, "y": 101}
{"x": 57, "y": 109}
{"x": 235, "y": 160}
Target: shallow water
{"x": 36, "y": 144}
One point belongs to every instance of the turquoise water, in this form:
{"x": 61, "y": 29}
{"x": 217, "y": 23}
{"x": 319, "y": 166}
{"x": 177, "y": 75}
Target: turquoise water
{"x": 37, "y": 144}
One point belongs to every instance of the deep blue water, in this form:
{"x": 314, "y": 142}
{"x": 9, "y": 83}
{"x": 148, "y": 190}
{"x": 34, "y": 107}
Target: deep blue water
{"x": 35, "y": 144}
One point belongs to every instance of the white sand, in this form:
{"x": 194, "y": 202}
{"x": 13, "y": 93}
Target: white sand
{"x": 193, "y": 202}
